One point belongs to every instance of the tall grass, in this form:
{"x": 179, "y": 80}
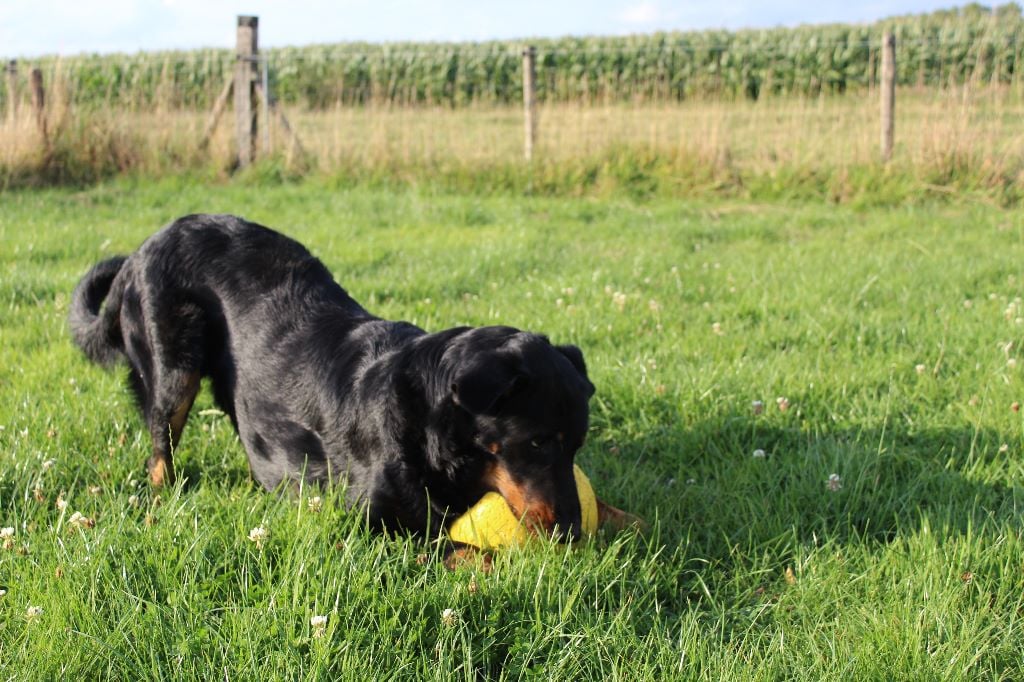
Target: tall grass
{"x": 948, "y": 141}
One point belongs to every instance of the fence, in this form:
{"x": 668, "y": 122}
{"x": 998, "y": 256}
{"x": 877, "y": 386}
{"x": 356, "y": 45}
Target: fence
{"x": 686, "y": 73}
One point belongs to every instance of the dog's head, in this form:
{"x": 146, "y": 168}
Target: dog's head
{"x": 519, "y": 410}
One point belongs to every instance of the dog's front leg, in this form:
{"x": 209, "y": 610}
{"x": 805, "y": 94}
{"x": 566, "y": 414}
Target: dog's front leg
{"x": 617, "y": 519}
{"x": 458, "y": 555}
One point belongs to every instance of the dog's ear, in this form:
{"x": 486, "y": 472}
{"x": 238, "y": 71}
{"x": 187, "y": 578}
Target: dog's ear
{"x": 481, "y": 384}
{"x": 575, "y": 356}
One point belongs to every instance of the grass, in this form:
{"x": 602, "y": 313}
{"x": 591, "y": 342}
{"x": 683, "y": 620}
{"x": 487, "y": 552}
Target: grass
{"x": 954, "y": 141}
{"x": 893, "y": 333}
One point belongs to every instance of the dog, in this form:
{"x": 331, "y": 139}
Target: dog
{"x": 418, "y": 426}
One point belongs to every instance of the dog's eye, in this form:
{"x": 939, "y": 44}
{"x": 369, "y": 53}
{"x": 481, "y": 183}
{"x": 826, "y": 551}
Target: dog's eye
{"x": 540, "y": 442}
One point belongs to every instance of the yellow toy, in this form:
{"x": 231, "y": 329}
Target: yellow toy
{"x": 490, "y": 522}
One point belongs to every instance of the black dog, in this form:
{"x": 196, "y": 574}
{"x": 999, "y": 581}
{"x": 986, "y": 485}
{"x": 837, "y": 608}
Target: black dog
{"x": 419, "y": 426}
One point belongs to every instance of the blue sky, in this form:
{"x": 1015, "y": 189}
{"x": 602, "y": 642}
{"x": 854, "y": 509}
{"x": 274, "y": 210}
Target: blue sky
{"x": 34, "y": 27}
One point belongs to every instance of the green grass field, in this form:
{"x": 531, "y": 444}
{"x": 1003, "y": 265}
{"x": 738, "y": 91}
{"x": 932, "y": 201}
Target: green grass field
{"x": 894, "y": 334}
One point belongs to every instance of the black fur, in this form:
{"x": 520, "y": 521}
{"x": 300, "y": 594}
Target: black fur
{"x": 418, "y": 426}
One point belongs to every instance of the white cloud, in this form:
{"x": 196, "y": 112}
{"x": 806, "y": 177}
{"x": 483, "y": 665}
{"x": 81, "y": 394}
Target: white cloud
{"x": 641, "y": 14}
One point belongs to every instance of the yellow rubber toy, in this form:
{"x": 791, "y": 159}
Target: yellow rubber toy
{"x": 490, "y": 522}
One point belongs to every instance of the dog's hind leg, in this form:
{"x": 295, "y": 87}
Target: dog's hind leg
{"x": 166, "y": 419}
{"x": 164, "y": 349}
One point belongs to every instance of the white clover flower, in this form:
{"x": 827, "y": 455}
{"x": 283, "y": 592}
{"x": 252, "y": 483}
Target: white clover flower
{"x": 33, "y": 612}
{"x": 3, "y": 593}
{"x": 48, "y": 464}
{"x": 80, "y": 520}
{"x": 716, "y": 327}
{"x": 782, "y": 402}
{"x": 259, "y": 535}
{"x": 62, "y": 504}
{"x": 315, "y": 504}
{"x": 834, "y": 482}
{"x": 133, "y": 500}
{"x": 919, "y": 368}
{"x": 7, "y": 532}
{"x": 448, "y": 617}
{"x": 760, "y": 454}
{"x": 757, "y": 406}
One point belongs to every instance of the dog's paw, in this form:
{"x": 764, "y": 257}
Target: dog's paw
{"x": 161, "y": 472}
{"x": 468, "y": 557}
{"x": 618, "y": 520}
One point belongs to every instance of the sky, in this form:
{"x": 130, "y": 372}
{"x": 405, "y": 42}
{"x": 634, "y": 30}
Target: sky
{"x": 35, "y": 27}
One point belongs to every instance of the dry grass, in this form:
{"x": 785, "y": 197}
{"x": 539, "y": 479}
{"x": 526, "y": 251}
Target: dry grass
{"x": 959, "y": 136}
{"x": 756, "y": 136}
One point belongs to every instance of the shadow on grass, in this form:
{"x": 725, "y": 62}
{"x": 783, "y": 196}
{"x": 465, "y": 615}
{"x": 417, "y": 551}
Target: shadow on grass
{"x": 705, "y": 482}
{"x": 723, "y": 512}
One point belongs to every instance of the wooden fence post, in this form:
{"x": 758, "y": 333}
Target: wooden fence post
{"x": 12, "y": 90}
{"x": 245, "y": 88}
{"x": 888, "y": 88}
{"x": 530, "y": 98}
{"x": 39, "y": 103}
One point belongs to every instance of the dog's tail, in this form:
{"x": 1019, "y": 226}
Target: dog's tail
{"x": 96, "y": 332}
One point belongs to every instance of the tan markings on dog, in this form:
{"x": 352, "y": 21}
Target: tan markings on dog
{"x": 534, "y": 512}
{"x": 158, "y": 471}
{"x": 618, "y": 519}
{"x": 161, "y": 464}
{"x": 494, "y": 448}
{"x": 468, "y": 556}
{"x": 177, "y": 423}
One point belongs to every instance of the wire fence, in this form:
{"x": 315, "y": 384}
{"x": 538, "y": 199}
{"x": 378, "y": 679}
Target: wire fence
{"x": 713, "y": 106}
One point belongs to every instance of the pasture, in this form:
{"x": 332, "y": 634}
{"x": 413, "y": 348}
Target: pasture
{"x": 865, "y": 523}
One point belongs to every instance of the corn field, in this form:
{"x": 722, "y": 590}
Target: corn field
{"x": 942, "y": 49}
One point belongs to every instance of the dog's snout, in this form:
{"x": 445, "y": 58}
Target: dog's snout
{"x": 550, "y": 508}
{"x": 568, "y": 521}
{"x": 568, "y": 531}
